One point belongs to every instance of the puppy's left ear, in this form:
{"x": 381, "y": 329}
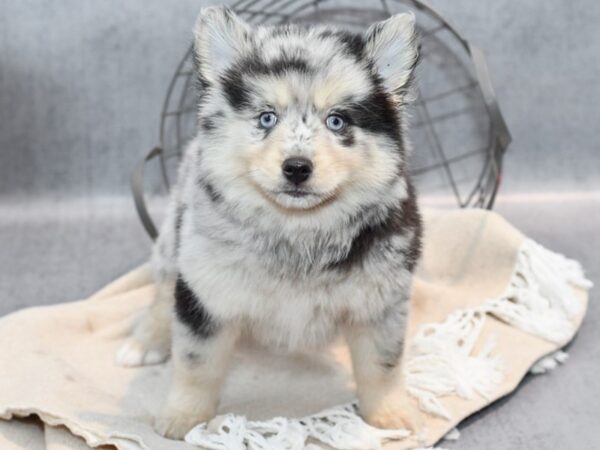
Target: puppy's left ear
{"x": 392, "y": 46}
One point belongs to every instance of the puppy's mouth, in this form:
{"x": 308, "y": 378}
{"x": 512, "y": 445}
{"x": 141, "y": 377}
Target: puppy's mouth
{"x": 297, "y": 193}
{"x": 298, "y": 198}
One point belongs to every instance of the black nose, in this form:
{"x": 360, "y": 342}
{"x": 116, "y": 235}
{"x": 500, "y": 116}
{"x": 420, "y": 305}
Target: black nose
{"x": 297, "y": 170}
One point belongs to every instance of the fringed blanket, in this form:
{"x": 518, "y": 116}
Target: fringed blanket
{"x": 488, "y": 306}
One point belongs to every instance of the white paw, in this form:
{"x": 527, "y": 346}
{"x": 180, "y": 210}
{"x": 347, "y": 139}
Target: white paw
{"x": 176, "y": 427}
{"x": 134, "y": 353}
{"x": 394, "y": 412}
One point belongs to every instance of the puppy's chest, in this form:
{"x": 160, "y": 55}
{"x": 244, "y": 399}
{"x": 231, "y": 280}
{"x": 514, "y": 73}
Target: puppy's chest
{"x": 284, "y": 311}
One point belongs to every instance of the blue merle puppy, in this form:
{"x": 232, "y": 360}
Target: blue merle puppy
{"x": 293, "y": 219}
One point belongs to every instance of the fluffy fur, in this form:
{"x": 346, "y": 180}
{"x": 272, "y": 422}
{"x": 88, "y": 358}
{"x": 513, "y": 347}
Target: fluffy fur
{"x": 245, "y": 253}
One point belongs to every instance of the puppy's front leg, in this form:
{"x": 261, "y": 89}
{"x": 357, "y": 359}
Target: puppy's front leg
{"x": 376, "y": 349}
{"x": 202, "y": 349}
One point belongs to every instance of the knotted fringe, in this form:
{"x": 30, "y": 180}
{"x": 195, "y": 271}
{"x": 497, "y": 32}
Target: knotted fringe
{"x": 549, "y": 363}
{"x": 441, "y": 362}
{"x": 340, "y": 428}
{"x": 539, "y": 300}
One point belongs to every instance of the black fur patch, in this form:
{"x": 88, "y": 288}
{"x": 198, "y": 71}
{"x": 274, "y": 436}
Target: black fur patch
{"x": 214, "y": 195}
{"x": 211, "y": 122}
{"x": 236, "y": 91}
{"x": 191, "y": 312}
{"x": 375, "y": 114}
{"x": 283, "y": 65}
{"x": 353, "y": 43}
{"x": 389, "y": 333}
{"x": 178, "y": 222}
{"x": 347, "y": 138}
{"x": 412, "y": 220}
{"x": 234, "y": 84}
{"x": 400, "y": 220}
{"x": 207, "y": 124}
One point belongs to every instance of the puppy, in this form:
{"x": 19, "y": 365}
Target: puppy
{"x": 293, "y": 219}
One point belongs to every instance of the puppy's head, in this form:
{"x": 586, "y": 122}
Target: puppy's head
{"x": 302, "y": 119}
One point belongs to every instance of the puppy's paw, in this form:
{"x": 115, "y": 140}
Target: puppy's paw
{"x": 134, "y": 353}
{"x": 176, "y": 426}
{"x": 395, "y": 412}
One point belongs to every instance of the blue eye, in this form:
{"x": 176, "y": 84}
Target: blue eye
{"x": 335, "y": 122}
{"x": 267, "y": 120}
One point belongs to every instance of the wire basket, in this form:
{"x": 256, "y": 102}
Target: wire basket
{"x": 457, "y": 130}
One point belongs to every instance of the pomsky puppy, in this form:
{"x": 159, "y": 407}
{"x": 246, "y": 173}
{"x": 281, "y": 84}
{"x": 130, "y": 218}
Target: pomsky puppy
{"x": 293, "y": 219}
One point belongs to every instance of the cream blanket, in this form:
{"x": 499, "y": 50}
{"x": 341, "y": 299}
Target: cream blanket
{"x": 487, "y": 304}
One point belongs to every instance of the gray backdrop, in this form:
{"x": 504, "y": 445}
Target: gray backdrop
{"x": 81, "y": 87}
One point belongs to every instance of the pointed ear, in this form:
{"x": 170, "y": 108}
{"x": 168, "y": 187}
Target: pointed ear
{"x": 392, "y": 46}
{"x": 220, "y": 38}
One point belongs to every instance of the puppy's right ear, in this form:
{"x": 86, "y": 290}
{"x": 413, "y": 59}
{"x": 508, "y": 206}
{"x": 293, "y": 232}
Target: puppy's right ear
{"x": 221, "y": 37}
